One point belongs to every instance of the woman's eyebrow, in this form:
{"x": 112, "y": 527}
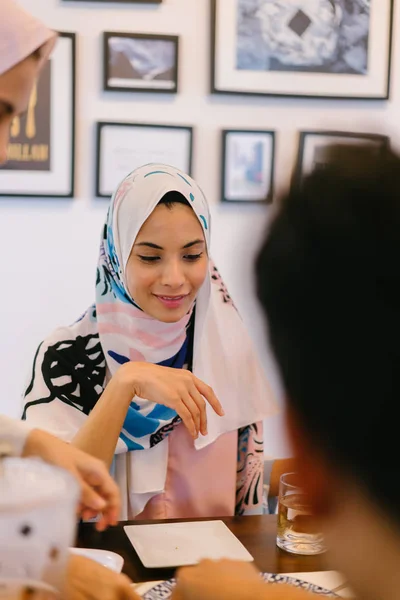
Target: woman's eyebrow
{"x": 157, "y": 247}
{"x": 194, "y": 243}
{"x": 150, "y": 245}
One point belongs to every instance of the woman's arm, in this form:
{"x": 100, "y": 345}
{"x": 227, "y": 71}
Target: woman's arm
{"x": 99, "y": 434}
{"x": 176, "y": 388}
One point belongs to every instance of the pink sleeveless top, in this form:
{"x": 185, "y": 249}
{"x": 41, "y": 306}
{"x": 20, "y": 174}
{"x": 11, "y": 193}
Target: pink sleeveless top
{"x": 200, "y": 483}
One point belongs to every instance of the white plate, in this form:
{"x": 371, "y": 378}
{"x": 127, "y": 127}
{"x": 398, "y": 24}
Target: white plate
{"x": 165, "y": 588}
{"x": 108, "y": 559}
{"x": 178, "y": 544}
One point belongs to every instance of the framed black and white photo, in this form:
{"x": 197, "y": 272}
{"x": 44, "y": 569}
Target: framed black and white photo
{"x": 140, "y": 62}
{"x": 313, "y": 147}
{"x": 123, "y": 147}
{"x": 40, "y": 156}
{"x": 312, "y": 48}
{"x": 248, "y": 159}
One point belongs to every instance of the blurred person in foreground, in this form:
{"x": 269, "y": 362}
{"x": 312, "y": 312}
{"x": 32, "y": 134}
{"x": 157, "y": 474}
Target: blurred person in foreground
{"x": 25, "y": 44}
{"x": 329, "y": 282}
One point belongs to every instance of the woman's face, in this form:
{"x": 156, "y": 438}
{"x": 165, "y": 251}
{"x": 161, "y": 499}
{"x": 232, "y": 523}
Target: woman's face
{"x": 168, "y": 263}
{"x": 15, "y": 90}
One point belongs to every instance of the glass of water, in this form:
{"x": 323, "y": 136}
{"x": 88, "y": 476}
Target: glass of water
{"x": 298, "y": 530}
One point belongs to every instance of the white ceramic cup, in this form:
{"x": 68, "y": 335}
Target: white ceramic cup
{"x": 38, "y": 504}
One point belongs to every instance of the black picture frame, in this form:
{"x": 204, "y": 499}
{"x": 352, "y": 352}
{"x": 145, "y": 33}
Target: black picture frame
{"x": 339, "y": 137}
{"x": 101, "y": 127}
{"x": 160, "y": 85}
{"x": 339, "y": 88}
{"x": 231, "y": 193}
{"x": 50, "y": 180}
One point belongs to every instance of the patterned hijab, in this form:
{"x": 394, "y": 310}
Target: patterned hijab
{"x": 73, "y": 365}
{"x": 126, "y": 332}
{"x": 20, "y": 35}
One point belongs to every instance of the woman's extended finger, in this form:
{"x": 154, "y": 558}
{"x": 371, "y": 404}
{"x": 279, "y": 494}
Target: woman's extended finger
{"x": 208, "y": 393}
{"x": 192, "y": 407}
{"x": 187, "y": 419}
{"x": 201, "y": 405}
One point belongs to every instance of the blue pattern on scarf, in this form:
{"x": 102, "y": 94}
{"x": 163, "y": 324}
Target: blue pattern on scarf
{"x": 139, "y": 425}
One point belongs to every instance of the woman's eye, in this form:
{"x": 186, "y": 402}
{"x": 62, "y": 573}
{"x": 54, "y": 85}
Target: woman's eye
{"x": 149, "y": 259}
{"x": 193, "y": 257}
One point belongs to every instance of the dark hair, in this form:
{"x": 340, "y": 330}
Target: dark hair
{"x": 171, "y": 198}
{"x": 328, "y": 278}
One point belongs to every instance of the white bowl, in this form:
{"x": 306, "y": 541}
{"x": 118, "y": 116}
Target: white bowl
{"x": 108, "y": 559}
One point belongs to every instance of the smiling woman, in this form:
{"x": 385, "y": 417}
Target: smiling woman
{"x": 159, "y": 376}
{"x": 165, "y": 273}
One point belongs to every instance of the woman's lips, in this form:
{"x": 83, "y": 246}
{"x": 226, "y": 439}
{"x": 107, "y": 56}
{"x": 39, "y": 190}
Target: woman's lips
{"x": 172, "y": 301}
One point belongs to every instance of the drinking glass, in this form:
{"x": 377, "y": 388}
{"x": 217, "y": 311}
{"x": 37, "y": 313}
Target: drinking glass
{"x": 298, "y": 530}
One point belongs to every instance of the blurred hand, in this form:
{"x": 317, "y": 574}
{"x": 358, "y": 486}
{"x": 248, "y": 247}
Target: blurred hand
{"x": 222, "y": 580}
{"x": 176, "y": 388}
{"x": 99, "y": 492}
{"x": 229, "y": 580}
{"x": 88, "y": 580}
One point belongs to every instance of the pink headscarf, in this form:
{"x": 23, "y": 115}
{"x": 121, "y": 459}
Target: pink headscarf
{"x": 20, "y": 35}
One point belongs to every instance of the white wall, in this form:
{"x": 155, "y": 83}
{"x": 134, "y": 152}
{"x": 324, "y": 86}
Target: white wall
{"x": 48, "y": 248}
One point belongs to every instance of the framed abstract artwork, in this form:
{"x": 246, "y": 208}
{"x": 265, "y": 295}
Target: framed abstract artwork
{"x": 313, "y": 145}
{"x": 248, "y": 159}
{"x": 140, "y": 62}
{"x": 311, "y": 48}
{"x": 40, "y": 157}
{"x": 123, "y": 147}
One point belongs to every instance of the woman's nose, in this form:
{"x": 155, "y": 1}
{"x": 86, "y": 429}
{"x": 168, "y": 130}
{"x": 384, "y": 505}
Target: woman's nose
{"x": 173, "y": 275}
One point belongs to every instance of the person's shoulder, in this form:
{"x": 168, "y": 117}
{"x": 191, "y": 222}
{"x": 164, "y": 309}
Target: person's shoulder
{"x": 82, "y": 330}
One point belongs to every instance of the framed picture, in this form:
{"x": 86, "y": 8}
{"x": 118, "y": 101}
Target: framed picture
{"x": 313, "y": 145}
{"x": 123, "y": 147}
{"x": 248, "y": 159}
{"x": 312, "y": 48}
{"x": 41, "y": 148}
{"x": 140, "y": 62}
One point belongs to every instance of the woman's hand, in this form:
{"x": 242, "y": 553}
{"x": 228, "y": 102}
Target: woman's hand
{"x": 228, "y": 580}
{"x": 88, "y": 580}
{"x": 176, "y": 388}
{"x": 99, "y": 492}
{"x": 218, "y": 580}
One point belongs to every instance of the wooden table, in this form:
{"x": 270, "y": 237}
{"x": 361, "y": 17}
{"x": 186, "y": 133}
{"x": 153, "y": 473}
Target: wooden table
{"x": 257, "y": 533}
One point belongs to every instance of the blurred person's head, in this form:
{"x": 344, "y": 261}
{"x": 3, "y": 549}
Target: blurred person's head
{"x": 329, "y": 281}
{"x": 25, "y": 44}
